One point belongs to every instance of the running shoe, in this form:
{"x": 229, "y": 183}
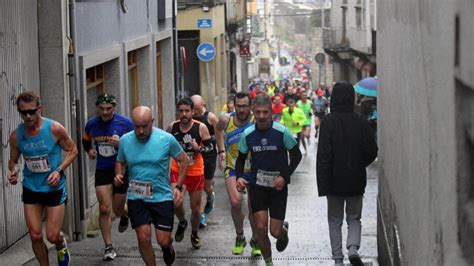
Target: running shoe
{"x": 180, "y": 231}
{"x": 282, "y": 241}
{"x": 209, "y": 203}
{"x": 63, "y": 255}
{"x": 239, "y": 246}
{"x": 255, "y": 250}
{"x": 123, "y": 224}
{"x": 195, "y": 241}
{"x": 169, "y": 256}
{"x": 203, "y": 222}
{"x": 109, "y": 253}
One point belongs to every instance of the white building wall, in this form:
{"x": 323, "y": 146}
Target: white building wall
{"x": 420, "y": 129}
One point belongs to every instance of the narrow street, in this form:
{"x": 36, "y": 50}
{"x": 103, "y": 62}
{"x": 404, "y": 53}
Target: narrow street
{"x": 306, "y": 213}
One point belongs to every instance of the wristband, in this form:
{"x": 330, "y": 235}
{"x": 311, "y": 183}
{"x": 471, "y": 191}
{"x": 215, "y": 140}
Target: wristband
{"x": 60, "y": 171}
{"x": 219, "y": 152}
{"x": 179, "y": 187}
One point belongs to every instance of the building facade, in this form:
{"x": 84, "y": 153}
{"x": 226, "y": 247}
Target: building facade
{"x": 351, "y": 39}
{"x": 69, "y": 52}
{"x": 203, "y": 22}
{"x": 426, "y": 133}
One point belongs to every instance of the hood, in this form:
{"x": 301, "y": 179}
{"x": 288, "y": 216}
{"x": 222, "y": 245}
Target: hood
{"x": 342, "y": 97}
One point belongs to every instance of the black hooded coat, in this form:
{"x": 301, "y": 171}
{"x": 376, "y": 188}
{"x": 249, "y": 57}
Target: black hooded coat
{"x": 346, "y": 147}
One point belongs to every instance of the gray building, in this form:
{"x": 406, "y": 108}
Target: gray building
{"x": 70, "y": 52}
{"x": 350, "y": 41}
{"x": 426, "y": 132}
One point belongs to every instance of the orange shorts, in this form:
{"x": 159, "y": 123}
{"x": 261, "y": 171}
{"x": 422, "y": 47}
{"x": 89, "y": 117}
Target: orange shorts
{"x": 192, "y": 183}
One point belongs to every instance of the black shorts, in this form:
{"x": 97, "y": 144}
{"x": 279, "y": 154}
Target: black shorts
{"x": 209, "y": 166}
{"x": 268, "y": 199}
{"x": 160, "y": 213}
{"x": 52, "y": 198}
{"x": 106, "y": 177}
{"x": 320, "y": 115}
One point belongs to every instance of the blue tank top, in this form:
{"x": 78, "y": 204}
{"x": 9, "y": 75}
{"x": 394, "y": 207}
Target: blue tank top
{"x": 42, "y": 156}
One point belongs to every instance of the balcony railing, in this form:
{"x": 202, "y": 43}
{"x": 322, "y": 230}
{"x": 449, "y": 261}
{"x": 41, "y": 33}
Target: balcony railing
{"x": 354, "y": 38}
{"x": 209, "y": 3}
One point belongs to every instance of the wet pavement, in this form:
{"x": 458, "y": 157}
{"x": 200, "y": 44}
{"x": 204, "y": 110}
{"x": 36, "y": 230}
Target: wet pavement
{"x": 308, "y": 233}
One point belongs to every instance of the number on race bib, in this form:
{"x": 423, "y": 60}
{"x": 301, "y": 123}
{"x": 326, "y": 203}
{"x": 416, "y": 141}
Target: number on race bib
{"x": 38, "y": 164}
{"x": 106, "y": 149}
{"x": 141, "y": 189}
{"x": 265, "y": 178}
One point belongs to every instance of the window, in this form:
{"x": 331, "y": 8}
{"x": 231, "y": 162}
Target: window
{"x": 132, "y": 79}
{"x": 358, "y": 13}
{"x": 95, "y": 84}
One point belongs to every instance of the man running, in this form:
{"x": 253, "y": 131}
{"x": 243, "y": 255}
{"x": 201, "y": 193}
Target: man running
{"x": 106, "y": 130}
{"x": 40, "y": 141}
{"x": 146, "y": 152}
{"x": 320, "y": 105}
{"x": 233, "y": 127}
{"x": 194, "y": 139}
{"x": 294, "y": 119}
{"x": 210, "y": 120}
{"x": 268, "y": 143}
{"x": 307, "y": 108}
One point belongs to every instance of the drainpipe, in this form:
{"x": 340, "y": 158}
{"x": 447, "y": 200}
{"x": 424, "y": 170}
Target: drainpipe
{"x": 177, "y": 87}
{"x": 79, "y": 187}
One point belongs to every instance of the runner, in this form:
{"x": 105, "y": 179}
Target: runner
{"x": 277, "y": 107}
{"x": 106, "y": 130}
{"x": 40, "y": 141}
{"x": 194, "y": 138}
{"x": 320, "y": 105}
{"x": 268, "y": 143}
{"x": 307, "y": 107}
{"x": 146, "y": 152}
{"x": 233, "y": 126}
{"x": 294, "y": 119}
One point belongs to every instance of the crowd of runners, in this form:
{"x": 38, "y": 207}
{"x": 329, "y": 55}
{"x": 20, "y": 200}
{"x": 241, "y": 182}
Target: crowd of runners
{"x": 143, "y": 172}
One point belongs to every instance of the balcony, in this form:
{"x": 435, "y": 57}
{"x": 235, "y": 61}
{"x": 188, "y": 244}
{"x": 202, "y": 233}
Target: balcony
{"x": 183, "y": 4}
{"x": 360, "y": 39}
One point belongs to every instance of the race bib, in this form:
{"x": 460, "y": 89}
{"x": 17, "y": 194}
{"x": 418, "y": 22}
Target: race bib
{"x": 191, "y": 157}
{"x": 265, "y": 178}
{"x": 106, "y": 149}
{"x": 141, "y": 189}
{"x": 38, "y": 164}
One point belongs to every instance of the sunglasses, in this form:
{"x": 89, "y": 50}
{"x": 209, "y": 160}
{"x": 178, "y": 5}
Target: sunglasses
{"x": 28, "y": 112}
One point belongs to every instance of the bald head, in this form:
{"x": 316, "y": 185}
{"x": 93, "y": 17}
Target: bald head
{"x": 198, "y": 103}
{"x": 142, "y": 122}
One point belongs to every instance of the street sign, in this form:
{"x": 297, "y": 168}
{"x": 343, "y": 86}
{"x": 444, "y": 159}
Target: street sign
{"x": 206, "y": 51}
{"x": 204, "y": 23}
{"x": 320, "y": 58}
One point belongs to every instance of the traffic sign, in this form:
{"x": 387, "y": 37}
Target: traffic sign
{"x": 206, "y": 51}
{"x": 320, "y": 58}
{"x": 204, "y": 23}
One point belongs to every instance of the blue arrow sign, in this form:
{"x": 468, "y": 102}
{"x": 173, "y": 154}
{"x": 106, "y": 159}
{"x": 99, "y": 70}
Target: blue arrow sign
{"x": 206, "y": 51}
{"x": 205, "y": 23}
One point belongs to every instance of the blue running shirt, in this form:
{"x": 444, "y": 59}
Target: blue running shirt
{"x": 42, "y": 155}
{"x": 149, "y": 165}
{"x": 100, "y": 132}
{"x": 269, "y": 151}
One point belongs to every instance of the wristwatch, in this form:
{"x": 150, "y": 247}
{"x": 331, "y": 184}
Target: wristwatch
{"x": 179, "y": 187}
{"x": 60, "y": 171}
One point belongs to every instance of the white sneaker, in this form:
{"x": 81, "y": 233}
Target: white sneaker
{"x": 109, "y": 253}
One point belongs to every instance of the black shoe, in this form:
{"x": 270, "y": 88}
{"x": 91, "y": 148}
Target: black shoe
{"x": 195, "y": 241}
{"x": 169, "y": 256}
{"x": 180, "y": 231}
{"x": 355, "y": 260}
{"x": 123, "y": 224}
{"x": 282, "y": 241}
